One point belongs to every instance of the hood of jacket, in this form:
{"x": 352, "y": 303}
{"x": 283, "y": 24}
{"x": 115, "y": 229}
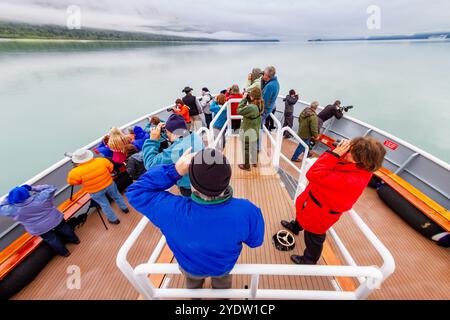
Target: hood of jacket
{"x": 139, "y": 132}
{"x": 307, "y": 112}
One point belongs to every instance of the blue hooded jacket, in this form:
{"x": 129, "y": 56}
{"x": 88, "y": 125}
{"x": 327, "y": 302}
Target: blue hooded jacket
{"x": 139, "y": 137}
{"x": 170, "y": 155}
{"x": 214, "y": 107}
{"x": 270, "y": 94}
{"x": 206, "y": 239}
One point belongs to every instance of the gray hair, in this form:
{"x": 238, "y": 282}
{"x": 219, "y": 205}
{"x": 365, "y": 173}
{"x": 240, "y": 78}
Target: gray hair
{"x": 256, "y": 73}
{"x": 314, "y": 105}
{"x": 270, "y": 71}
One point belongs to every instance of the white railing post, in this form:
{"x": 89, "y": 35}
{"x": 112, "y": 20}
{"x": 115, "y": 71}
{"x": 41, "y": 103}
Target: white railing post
{"x": 278, "y": 144}
{"x": 254, "y": 285}
{"x": 229, "y": 132}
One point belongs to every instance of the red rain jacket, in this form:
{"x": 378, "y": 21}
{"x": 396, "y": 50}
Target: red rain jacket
{"x": 234, "y": 105}
{"x": 334, "y": 187}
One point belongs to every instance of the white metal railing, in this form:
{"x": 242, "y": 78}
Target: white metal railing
{"x": 369, "y": 277}
{"x": 302, "y": 170}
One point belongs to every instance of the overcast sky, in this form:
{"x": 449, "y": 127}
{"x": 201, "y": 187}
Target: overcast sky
{"x": 284, "y": 19}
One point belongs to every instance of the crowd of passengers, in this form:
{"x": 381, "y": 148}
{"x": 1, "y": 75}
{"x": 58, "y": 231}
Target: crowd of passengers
{"x": 206, "y": 225}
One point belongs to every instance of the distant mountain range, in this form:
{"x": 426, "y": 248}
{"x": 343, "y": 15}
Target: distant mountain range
{"x": 417, "y": 36}
{"x": 12, "y": 30}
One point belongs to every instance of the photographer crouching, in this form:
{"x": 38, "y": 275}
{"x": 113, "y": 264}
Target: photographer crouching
{"x": 330, "y": 111}
{"x": 336, "y": 181}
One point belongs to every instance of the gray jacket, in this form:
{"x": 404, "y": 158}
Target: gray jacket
{"x": 289, "y": 103}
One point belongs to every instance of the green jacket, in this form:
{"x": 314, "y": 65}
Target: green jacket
{"x": 308, "y": 124}
{"x": 251, "y": 124}
{"x": 254, "y": 84}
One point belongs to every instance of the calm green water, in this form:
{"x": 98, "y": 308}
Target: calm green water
{"x": 58, "y": 97}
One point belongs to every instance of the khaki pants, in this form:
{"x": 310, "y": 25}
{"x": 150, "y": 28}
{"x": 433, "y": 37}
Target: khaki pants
{"x": 196, "y": 123}
{"x": 194, "y": 282}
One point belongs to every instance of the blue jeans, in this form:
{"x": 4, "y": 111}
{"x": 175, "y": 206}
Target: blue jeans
{"x": 300, "y": 149}
{"x": 102, "y": 200}
{"x": 53, "y": 237}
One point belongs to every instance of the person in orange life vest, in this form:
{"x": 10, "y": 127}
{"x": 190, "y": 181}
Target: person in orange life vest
{"x": 336, "y": 181}
{"x": 95, "y": 176}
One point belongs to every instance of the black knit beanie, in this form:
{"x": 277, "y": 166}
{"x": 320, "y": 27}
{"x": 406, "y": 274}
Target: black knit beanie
{"x": 210, "y": 172}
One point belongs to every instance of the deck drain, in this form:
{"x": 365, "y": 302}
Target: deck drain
{"x": 283, "y": 240}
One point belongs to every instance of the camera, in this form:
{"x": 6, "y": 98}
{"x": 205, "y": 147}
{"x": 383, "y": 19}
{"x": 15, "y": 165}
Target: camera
{"x": 345, "y": 108}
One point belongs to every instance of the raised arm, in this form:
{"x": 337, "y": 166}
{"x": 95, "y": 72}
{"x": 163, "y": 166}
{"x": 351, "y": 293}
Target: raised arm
{"x": 148, "y": 195}
{"x": 44, "y": 192}
{"x": 322, "y": 173}
{"x": 243, "y": 108}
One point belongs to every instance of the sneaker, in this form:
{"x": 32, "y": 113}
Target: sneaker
{"x": 67, "y": 254}
{"x": 291, "y": 226}
{"x": 296, "y": 160}
{"x": 114, "y": 222}
{"x": 254, "y": 165}
{"x": 126, "y": 210}
{"x": 76, "y": 242}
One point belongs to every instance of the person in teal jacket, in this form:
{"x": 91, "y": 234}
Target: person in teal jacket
{"x": 270, "y": 88}
{"x": 181, "y": 139}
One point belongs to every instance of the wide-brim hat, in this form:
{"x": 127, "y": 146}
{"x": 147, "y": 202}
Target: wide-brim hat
{"x": 187, "y": 89}
{"x": 82, "y": 156}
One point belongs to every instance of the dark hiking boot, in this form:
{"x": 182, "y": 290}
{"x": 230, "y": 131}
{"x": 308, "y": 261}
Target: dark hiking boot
{"x": 300, "y": 260}
{"x": 291, "y": 226}
{"x": 244, "y": 167}
{"x": 114, "y": 222}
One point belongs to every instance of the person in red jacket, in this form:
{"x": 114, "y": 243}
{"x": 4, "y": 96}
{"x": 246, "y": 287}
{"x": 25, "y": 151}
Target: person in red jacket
{"x": 336, "y": 181}
{"x": 234, "y": 93}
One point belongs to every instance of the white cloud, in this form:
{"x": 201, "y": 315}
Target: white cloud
{"x": 238, "y": 18}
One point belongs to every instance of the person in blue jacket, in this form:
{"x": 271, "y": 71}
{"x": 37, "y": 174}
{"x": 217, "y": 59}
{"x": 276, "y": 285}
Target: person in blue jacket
{"x": 270, "y": 88}
{"x": 206, "y": 231}
{"x": 178, "y": 134}
{"x": 104, "y": 149}
{"x": 139, "y": 137}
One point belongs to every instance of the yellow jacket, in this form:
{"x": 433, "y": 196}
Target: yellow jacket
{"x": 94, "y": 175}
